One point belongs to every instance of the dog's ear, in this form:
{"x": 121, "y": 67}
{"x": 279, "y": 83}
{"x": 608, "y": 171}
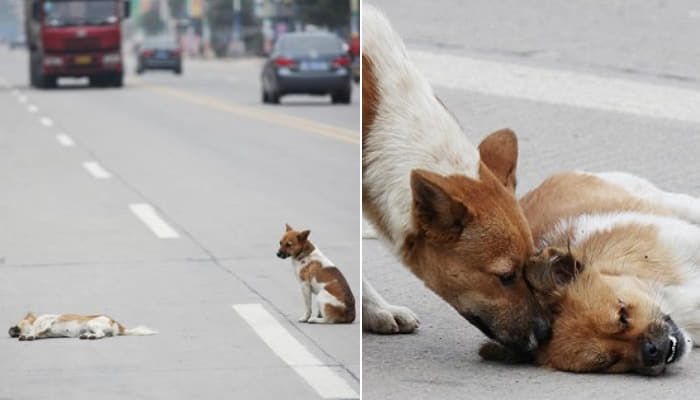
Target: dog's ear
{"x": 434, "y": 208}
{"x": 303, "y": 235}
{"x": 499, "y": 152}
{"x": 552, "y": 270}
{"x": 287, "y": 228}
{"x": 30, "y": 317}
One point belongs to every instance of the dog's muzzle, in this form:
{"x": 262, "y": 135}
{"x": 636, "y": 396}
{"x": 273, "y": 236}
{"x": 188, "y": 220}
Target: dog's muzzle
{"x": 14, "y": 331}
{"x": 282, "y": 254}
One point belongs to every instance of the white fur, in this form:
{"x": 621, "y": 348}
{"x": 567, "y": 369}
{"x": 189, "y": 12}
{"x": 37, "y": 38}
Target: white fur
{"x": 413, "y": 130}
{"x": 312, "y": 287}
{"x": 678, "y": 232}
{"x": 49, "y": 326}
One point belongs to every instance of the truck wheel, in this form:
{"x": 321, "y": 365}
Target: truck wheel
{"x": 117, "y": 80}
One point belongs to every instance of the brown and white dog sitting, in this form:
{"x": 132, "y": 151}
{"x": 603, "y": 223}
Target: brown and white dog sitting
{"x": 444, "y": 207}
{"x": 45, "y": 326}
{"x": 619, "y": 270}
{"x": 319, "y": 277}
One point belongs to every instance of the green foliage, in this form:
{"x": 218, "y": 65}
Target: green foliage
{"x": 334, "y": 14}
{"x": 151, "y": 22}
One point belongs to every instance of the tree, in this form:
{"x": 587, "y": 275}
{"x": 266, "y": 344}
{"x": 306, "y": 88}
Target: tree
{"x": 220, "y": 15}
{"x": 334, "y": 14}
{"x": 151, "y": 22}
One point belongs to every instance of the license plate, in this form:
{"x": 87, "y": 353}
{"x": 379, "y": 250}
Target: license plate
{"x": 81, "y": 60}
{"x": 161, "y": 54}
{"x": 313, "y": 66}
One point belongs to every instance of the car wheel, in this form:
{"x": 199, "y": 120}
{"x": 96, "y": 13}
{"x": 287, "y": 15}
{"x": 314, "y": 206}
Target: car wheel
{"x": 178, "y": 71}
{"x": 139, "y": 71}
{"x": 265, "y": 97}
{"x": 274, "y": 97}
{"x": 342, "y": 97}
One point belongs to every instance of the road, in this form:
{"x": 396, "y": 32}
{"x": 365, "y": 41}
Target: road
{"x": 593, "y": 85}
{"x": 162, "y": 204}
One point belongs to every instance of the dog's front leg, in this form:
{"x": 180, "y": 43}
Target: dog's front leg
{"x": 378, "y": 316}
{"x": 306, "y": 292}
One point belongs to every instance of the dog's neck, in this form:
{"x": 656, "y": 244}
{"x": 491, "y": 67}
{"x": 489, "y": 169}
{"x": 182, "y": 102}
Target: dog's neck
{"x": 306, "y": 251}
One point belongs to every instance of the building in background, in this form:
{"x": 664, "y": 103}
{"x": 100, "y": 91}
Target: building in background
{"x": 237, "y": 27}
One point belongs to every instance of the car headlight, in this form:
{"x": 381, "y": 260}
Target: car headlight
{"x": 53, "y": 61}
{"x": 111, "y": 58}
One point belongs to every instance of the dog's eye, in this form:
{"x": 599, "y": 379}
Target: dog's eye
{"x": 624, "y": 316}
{"x": 289, "y": 244}
{"x": 507, "y": 279}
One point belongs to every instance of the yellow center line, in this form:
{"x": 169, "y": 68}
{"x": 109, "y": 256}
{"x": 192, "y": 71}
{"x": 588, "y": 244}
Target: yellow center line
{"x": 287, "y": 121}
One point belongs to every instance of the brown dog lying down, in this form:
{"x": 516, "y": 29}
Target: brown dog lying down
{"x": 619, "y": 271}
{"x": 46, "y": 326}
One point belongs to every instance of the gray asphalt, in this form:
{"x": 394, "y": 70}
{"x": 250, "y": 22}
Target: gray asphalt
{"x": 647, "y": 42}
{"x": 227, "y": 173}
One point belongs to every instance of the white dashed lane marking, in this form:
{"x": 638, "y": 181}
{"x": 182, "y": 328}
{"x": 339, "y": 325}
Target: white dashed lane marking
{"x": 46, "y": 121}
{"x": 32, "y": 108}
{"x": 65, "y": 140}
{"x": 96, "y": 170}
{"x": 148, "y": 215}
{"x": 327, "y": 383}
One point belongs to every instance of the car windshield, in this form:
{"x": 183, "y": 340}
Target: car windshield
{"x": 164, "y": 44}
{"x": 80, "y": 12}
{"x": 301, "y": 45}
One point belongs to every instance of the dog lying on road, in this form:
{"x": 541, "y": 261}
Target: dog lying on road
{"x": 619, "y": 270}
{"x": 319, "y": 277}
{"x": 445, "y": 208}
{"x": 45, "y": 326}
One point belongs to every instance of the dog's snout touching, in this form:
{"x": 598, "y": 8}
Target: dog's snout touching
{"x": 281, "y": 254}
{"x": 542, "y": 329}
{"x": 479, "y": 323}
{"x": 652, "y": 352}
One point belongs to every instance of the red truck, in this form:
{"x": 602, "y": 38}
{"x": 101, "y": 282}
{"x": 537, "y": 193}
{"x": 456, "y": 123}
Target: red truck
{"x": 75, "y": 38}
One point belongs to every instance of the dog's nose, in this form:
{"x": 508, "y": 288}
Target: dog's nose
{"x": 652, "y": 352}
{"x": 542, "y": 329}
{"x": 280, "y": 254}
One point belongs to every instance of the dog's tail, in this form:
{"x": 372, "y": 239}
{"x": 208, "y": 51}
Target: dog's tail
{"x": 136, "y": 331}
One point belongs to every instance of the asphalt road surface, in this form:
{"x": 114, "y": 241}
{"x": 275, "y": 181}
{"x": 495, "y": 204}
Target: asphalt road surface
{"x": 593, "y": 85}
{"x": 162, "y": 204}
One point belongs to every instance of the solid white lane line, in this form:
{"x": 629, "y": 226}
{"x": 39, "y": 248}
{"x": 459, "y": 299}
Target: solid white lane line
{"x": 46, "y": 121}
{"x": 32, "y": 108}
{"x": 96, "y": 170}
{"x": 319, "y": 376}
{"x": 65, "y": 140}
{"x": 559, "y": 87}
{"x": 148, "y": 215}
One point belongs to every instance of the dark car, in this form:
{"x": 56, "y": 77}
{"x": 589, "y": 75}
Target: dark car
{"x": 159, "y": 54}
{"x": 307, "y": 63}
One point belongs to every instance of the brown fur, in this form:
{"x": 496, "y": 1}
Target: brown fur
{"x": 588, "y": 287}
{"x": 470, "y": 234}
{"x": 370, "y": 101}
{"x": 297, "y": 245}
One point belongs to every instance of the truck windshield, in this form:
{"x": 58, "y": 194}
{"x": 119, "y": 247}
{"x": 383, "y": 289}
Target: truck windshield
{"x": 80, "y": 12}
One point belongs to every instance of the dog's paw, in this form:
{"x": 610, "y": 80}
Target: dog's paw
{"x": 304, "y": 318}
{"x": 389, "y": 320}
{"x": 22, "y": 338}
{"x": 83, "y": 336}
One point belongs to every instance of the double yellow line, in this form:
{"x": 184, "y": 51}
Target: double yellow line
{"x": 277, "y": 118}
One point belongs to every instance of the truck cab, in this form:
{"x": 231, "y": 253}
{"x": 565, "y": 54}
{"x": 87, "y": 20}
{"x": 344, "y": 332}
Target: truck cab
{"x": 75, "y": 38}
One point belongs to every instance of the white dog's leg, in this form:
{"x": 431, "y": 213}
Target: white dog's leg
{"x": 681, "y": 205}
{"x": 378, "y": 316}
{"x": 306, "y": 292}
